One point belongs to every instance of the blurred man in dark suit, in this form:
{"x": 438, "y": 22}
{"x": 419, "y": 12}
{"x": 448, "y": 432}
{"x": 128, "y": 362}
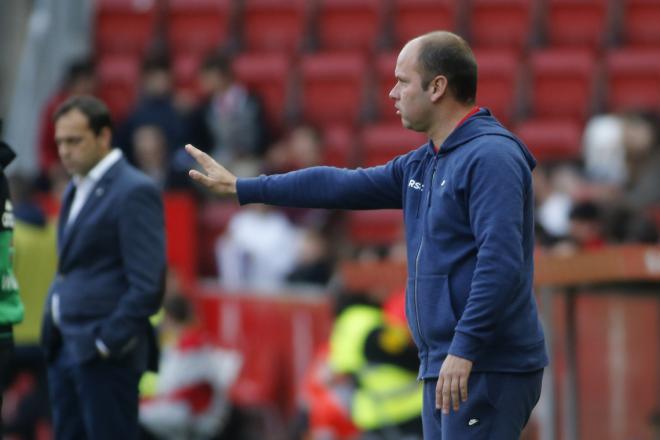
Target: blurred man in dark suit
{"x": 111, "y": 247}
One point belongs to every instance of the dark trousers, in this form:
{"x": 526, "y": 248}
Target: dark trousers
{"x": 5, "y": 357}
{"x": 498, "y": 408}
{"x": 94, "y": 400}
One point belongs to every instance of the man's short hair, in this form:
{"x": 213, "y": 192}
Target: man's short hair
{"x": 97, "y": 113}
{"x": 218, "y": 62}
{"x": 79, "y": 69}
{"x": 447, "y": 54}
{"x": 156, "y": 62}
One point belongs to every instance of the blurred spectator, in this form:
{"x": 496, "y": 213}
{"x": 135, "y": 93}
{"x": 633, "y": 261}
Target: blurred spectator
{"x": 150, "y": 155}
{"x": 604, "y": 155}
{"x": 229, "y": 124}
{"x": 258, "y": 250}
{"x": 302, "y": 148}
{"x": 587, "y": 225}
{"x": 155, "y": 107}
{"x": 554, "y": 190}
{"x": 80, "y": 79}
{"x": 641, "y": 141}
{"x": 314, "y": 263}
{"x": 11, "y": 306}
{"x": 586, "y": 230}
{"x": 374, "y": 347}
{"x": 191, "y": 399}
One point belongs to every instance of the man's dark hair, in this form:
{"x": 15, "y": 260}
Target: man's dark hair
{"x": 179, "y": 309}
{"x": 156, "y": 62}
{"x": 447, "y": 54}
{"x": 79, "y": 69}
{"x": 219, "y": 62}
{"x": 97, "y": 113}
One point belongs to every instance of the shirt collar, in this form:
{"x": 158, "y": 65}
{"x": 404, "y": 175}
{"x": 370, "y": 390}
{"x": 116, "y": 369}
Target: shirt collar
{"x": 100, "y": 168}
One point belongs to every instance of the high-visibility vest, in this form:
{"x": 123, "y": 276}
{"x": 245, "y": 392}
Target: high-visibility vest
{"x": 387, "y": 394}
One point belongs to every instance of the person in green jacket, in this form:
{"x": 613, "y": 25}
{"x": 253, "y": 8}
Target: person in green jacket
{"x": 11, "y": 307}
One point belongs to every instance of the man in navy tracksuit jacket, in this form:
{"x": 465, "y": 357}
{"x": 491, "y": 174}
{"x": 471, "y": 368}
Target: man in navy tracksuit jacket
{"x": 467, "y": 203}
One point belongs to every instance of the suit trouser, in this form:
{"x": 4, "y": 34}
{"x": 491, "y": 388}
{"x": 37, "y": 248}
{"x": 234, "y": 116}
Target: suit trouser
{"x": 5, "y": 356}
{"x": 498, "y": 407}
{"x": 94, "y": 400}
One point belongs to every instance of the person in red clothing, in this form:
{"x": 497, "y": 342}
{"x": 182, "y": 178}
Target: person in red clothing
{"x": 190, "y": 399}
{"x": 80, "y": 80}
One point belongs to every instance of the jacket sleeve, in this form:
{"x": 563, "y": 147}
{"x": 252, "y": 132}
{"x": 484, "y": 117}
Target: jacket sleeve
{"x": 498, "y": 183}
{"x": 327, "y": 187}
{"x": 142, "y": 246}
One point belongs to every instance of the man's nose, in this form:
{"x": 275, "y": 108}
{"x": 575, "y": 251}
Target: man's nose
{"x": 393, "y": 94}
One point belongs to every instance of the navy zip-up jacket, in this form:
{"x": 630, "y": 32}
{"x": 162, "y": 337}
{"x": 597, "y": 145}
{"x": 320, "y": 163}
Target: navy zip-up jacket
{"x": 469, "y": 220}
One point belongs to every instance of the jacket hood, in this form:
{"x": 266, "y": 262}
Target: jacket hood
{"x": 481, "y": 123}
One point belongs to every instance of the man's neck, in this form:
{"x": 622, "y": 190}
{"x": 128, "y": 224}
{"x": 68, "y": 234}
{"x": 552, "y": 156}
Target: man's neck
{"x": 447, "y": 119}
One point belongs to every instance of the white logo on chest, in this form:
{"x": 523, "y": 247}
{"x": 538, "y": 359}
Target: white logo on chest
{"x": 415, "y": 185}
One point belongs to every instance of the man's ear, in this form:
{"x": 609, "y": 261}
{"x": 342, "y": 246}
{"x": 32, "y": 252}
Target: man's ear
{"x": 105, "y": 136}
{"x": 438, "y": 87}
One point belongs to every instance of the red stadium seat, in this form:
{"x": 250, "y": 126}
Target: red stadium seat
{"x": 349, "y": 24}
{"x": 124, "y": 26}
{"x": 267, "y": 75}
{"x": 118, "y": 80}
{"x": 563, "y": 82}
{"x": 273, "y": 25}
{"x": 551, "y": 140}
{"x": 633, "y": 79}
{"x": 186, "y": 68}
{"x": 197, "y": 26}
{"x": 501, "y": 23}
{"x": 332, "y": 87}
{"x": 642, "y": 23}
{"x": 379, "y": 227}
{"x": 381, "y": 143}
{"x": 499, "y": 74}
{"x": 338, "y": 143}
{"x": 577, "y": 23}
{"x": 385, "y": 64}
{"x": 416, "y": 17}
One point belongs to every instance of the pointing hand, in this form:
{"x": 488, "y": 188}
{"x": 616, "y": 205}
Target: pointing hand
{"x": 215, "y": 176}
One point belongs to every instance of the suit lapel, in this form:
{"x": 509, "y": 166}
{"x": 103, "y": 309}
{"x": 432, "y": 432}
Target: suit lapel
{"x": 95, "y": 197}
{"x": 67, "y": 201}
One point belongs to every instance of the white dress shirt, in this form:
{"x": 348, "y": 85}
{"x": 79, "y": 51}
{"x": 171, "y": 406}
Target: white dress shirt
{"x": 85, "y": 184}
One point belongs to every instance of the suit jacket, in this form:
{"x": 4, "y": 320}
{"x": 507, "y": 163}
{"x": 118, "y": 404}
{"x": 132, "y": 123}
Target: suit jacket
{"x": 110, "y": 271}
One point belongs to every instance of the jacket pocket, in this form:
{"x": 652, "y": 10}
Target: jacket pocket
{"x": 437, "y": 318}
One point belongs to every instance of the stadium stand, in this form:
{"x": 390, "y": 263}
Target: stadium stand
{"x": 383, "y": 142}
{"x": 272, "y": 25}
{"x": 574, "y": 72}
{"x": 197, "y": 26}
{"x": 551, "y": 140}
{"x": 499, "y": 77}
{"x": 633, "y": 76}
{"x": 338, "y": 146}
{"x": 640, "y": 23}
{"x": 118, "y": 79}
{"x": 269, "y": 76}
{"x": 137, "y": 21}
{"x": 349, "y": 24}
{"x": 502, "y": 23}
{"x": 577, "y": 23}
{"x": 381, "y": 227}
{"x": 415, "y": 17}
{"x": 332, "y": 87}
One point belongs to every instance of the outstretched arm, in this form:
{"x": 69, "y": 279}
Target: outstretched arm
{"x": 317, "y": 187}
